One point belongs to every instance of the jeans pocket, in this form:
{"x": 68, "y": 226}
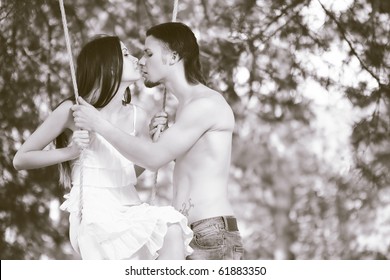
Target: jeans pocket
{"x": 208, "y": 241}
{"x": 206, "y": 231}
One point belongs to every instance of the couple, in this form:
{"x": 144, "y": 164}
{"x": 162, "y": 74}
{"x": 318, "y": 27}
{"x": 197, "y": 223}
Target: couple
{"x": 114, "y": 223}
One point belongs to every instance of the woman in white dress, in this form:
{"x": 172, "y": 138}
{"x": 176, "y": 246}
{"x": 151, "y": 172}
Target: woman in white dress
{"x": 107, "y": 218}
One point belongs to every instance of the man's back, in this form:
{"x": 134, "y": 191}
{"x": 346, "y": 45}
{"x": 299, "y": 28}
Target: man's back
{"x": 201, "y": 174}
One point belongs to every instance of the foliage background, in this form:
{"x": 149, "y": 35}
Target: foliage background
{"x": 308, "y": 81}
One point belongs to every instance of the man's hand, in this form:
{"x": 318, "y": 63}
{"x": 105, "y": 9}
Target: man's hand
{"x": 86, "y": 116}
{"x": 158, "y": 124}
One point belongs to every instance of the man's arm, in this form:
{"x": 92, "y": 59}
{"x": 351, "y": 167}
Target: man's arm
{"x": 195, "y": 119}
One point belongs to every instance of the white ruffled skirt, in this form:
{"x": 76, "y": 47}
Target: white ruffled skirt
{"x": 111, "y": 230}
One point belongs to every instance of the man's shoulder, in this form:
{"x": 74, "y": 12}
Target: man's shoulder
{"x": 212, "y": 107}
{"x": 211, "y": 99}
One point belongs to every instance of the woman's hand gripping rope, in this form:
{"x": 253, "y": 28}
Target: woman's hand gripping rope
{"x": 80, "y": 140}
{"x": 86, "y": 116}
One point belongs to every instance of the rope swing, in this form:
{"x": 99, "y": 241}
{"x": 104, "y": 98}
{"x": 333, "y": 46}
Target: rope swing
{"x": 69, "y": 48}
{"x": 76, "y": 93}
{"x": 160, "y": 127}
{"x": 174, "y": 15}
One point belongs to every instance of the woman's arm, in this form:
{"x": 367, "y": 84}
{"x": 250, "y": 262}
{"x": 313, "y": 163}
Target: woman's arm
{"x": 31, "y": 154}
{"x": 142, "y": 132}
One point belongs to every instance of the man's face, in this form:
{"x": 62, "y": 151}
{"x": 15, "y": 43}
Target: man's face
{"x": 154, "y": 62}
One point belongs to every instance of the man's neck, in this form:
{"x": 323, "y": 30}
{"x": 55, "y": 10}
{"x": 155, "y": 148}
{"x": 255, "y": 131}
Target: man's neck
{"x": 181, "y": 89}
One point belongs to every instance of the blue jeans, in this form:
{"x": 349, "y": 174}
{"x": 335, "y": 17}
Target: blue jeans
{"x": 216, "y": 238}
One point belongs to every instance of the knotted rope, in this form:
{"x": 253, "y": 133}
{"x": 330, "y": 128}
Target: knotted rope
{"x": 161, "y": 127}
{"x": 76, "y": 93}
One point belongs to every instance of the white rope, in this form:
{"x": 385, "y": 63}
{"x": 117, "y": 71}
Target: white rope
{"x": 76, "y": 93}
{"x": 69, "y": 48}
{"x": 155, "y": 139}
{"x": 160, "y": 127}
{"x": 174, "y": 13}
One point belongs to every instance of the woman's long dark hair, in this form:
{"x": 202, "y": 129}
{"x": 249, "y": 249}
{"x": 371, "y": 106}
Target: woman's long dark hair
{"x": 98, "y": 75}
{"x": 179, "y": 38}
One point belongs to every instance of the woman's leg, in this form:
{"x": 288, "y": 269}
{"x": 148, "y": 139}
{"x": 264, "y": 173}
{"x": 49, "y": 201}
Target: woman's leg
{"x": 173, "y": 247}
{"x": 74, "y": 225}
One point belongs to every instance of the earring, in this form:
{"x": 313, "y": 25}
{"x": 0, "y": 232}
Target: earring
{"x": 126, "y": 97}
{"x": 173, "y": 59}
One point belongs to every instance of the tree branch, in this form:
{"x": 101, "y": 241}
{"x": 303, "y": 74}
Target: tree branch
{"x": 147, "y": 5}
{"x": 206, "y": 13}
{"x": 344, "y": 36}
{"x": 6, "y": 13}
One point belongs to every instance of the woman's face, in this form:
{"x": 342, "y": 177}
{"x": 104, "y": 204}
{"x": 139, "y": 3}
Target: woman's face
{"x": 131, "y": 71}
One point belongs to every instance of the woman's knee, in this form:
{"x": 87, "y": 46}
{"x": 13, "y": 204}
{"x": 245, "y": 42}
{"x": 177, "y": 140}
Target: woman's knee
{"x": 173, "y": 244}
{"x": 174, "y": 232}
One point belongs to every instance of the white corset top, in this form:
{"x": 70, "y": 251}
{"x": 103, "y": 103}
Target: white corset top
{"x": 103, "y": 165}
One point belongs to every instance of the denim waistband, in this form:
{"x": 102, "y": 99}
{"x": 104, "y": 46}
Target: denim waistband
{"x": 228, "y": 222}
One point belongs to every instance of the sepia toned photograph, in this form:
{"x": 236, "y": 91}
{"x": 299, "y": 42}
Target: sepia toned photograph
{"x": 195, "y": 130}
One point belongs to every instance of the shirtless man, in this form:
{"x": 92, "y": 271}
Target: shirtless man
{"x": 200, "y": 140}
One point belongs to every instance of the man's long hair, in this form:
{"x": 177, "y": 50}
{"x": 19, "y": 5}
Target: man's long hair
{"x": 179, "y": 37}
{"x": 98, "y": 74}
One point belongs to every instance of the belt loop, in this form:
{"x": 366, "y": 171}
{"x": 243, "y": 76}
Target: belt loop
{"x": 226, "y": 225}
